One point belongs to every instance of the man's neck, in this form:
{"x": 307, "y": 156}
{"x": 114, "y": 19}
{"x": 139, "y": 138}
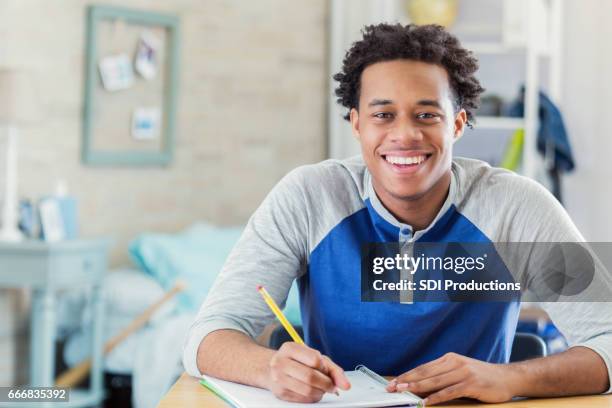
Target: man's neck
{"x": 420, "y": 211}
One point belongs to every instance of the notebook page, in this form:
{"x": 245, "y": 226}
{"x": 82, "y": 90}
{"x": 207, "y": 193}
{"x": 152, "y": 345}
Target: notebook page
{"x": 364, "y": 392}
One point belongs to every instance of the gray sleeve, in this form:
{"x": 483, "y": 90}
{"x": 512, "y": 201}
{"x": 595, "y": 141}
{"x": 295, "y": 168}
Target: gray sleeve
{"x": 585, "y": 323}
{"x": 271, "y": 252}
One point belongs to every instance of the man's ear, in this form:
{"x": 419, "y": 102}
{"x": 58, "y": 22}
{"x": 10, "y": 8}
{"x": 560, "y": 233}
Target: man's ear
{"x": 354, "y": 117}
{"x": 460, "y": 124}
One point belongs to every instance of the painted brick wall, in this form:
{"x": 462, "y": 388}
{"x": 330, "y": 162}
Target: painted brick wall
{"x": 252, "y": 106}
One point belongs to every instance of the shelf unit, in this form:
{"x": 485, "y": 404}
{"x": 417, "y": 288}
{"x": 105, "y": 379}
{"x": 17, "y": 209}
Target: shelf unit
{"x": 491, "y": 47}
{"x": 499, "y": 122}
{"x": 529, "y": 28}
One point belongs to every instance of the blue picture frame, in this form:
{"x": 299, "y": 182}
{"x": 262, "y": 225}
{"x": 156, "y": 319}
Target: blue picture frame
{"x": 96, "y": 14}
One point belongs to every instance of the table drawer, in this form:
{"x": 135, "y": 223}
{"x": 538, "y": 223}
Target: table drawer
{"x": 76, "y": 268}
{"x": 60, "y": 264}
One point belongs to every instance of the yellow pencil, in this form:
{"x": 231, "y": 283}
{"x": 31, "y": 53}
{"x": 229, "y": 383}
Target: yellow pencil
{"x": 279, "y": 315}
{"x": 281, "y": 318}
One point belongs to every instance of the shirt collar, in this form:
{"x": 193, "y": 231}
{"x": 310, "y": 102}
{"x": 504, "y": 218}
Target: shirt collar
{"x": 382, "y": 211}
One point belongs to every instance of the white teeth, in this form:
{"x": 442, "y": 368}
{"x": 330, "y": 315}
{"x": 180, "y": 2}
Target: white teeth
{"x": 405, "y": 160}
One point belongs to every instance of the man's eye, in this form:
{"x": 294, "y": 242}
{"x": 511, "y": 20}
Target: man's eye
{"x": 383, "y": 115}
{"x": 427, "y": 115}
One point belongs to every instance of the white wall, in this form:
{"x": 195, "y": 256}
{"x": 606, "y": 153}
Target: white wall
{"x": 587, "y": 107}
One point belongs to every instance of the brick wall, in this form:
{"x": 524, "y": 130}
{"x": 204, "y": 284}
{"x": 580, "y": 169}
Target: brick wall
{"x": 252, "y": 106}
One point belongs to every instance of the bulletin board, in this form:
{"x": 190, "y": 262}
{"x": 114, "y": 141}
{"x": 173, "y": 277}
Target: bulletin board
{"x": 131, "y": 86}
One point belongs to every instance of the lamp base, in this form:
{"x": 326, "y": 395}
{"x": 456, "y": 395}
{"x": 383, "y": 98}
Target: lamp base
{"x": 8, "y": 234}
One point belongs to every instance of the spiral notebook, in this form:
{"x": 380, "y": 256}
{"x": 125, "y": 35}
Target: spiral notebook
{"x": 367, "y": 390}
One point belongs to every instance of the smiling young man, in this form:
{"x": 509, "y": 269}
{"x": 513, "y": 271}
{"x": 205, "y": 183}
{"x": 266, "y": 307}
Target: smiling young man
{"x": 410, "y": 91}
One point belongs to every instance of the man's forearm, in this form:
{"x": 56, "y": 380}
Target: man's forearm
{"x": 576, "y": 371}
{"x": 234, "y": 356}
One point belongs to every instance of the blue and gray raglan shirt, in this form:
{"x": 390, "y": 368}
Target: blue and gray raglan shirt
{"x": 311, "y": 227}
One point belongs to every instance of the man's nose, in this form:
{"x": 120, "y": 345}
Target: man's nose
{"x": 406, "y": 131}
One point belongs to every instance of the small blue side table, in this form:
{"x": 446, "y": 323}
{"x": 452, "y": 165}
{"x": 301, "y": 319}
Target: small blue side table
{"x": 45, "y": 268}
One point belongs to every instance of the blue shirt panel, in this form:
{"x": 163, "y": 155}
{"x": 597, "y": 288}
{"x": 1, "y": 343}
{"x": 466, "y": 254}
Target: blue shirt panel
{"x": 391, "y": 337}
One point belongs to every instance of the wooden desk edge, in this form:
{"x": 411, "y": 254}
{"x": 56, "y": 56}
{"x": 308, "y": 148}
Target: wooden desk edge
{"x": 187, "y": 393}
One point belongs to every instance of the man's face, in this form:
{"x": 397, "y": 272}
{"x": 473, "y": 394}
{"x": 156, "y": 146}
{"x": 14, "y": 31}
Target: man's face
{"x": 406, "y": 126}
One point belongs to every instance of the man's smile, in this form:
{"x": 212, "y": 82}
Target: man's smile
{"x": 406, "y": 162}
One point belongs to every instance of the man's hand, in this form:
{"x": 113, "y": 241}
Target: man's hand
{"x": 301, "y": 374}
{"x": 455, "y": 376}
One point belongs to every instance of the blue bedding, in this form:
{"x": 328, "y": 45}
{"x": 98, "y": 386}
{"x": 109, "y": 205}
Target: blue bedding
{"x": 195, "y": 255}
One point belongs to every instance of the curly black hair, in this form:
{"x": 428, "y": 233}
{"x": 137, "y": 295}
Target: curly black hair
{"x": 426, "y": 43}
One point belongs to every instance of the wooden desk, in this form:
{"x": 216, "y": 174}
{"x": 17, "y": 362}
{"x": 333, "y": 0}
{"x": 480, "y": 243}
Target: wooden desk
{"x": 188, "y": 393}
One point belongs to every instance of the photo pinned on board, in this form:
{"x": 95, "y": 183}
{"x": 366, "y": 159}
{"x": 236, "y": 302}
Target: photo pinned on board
{"x": 146, "y": 123}
{"x": 146, "y": 55}
{"x": 116, "y": 72}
